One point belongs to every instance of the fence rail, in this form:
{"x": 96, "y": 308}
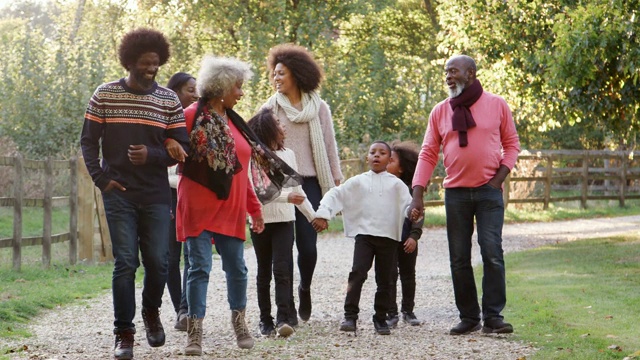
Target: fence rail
{"x": 545, "y": 176}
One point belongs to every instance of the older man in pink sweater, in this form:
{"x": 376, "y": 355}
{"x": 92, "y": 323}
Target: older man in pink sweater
{"x": 480, "y": 145}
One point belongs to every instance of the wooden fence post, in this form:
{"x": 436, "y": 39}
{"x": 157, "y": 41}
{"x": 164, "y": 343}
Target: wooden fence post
{"x": 547, "y": 182}
{"x": 106, "y": 252}
{"x": 585, "y": 180}
{"x": 47, "y": 212}
{"x": 17, "y": 213}
{"x": 85, "y": 213}
{"x": 507, "y": 188}
{"x": 73, "y": 210}
{"x": 623, "y": 177}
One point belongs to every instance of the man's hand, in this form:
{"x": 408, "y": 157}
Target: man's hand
{"x": 319, "y": 224}
{"x": 175, "y": 150}
{"x": 257, "y": 224}
{"x": 114, "y": 185}
{"x": 410, "y": 245}
{"x": 295, "y": 198}
{"x": 138, "y": 154}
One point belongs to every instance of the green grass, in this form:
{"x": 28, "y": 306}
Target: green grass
{"x": 24, "y": 294}
{"x": 577, "y": 300}
{"x": 32, "y": 220}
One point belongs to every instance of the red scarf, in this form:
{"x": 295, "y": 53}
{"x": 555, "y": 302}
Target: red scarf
{"x": 462, "y": 118}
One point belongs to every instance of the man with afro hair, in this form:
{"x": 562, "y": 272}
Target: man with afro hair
{"x": 129, "y": 120}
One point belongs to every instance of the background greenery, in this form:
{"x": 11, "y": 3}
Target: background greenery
{"x": 569, "y": 69}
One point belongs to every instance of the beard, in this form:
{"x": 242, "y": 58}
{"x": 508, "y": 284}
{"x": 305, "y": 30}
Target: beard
{"x": 141, "y": 79}
{"x": 455, "y": 92}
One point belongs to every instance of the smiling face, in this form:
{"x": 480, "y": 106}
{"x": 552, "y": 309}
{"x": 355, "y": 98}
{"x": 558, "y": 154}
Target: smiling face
{"x": 459, "y": 76}
{"x": 378, "y": 157}
{"x": 233, "y": 96}
{"x": 188, "y": 93}
{"x": 143, "y": 73}
{"x": 283, "y": 80}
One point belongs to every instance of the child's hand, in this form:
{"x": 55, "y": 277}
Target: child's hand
{"x": 416, "y": 215}
{"x": 410, "y": 245}
{"x": 295, "y": 198}
{"x": 257, "y": 224}
{"x": 319, "y": 224}
{"x": 175, "y": 150}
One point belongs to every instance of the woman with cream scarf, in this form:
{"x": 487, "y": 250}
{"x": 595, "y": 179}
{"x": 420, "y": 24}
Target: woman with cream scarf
{"x": 309, "y": 128}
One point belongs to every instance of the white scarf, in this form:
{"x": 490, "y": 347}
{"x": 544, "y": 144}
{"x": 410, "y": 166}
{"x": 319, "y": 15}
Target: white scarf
{"x": 309, "y": 114}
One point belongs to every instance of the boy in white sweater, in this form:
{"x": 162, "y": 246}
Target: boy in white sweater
{"x": 274, "y": 245}
{"x": 373, "y": 206}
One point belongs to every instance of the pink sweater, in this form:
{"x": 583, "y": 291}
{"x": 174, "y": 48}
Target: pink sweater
{"x": 492, "y": 142}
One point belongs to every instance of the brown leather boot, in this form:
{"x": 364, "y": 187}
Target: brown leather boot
{"x": 123, "y": 349}
{"x": 243, "y": 337}
{"x": 194, "y": 336}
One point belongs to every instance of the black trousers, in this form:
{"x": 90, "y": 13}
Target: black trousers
{"x": 274, "y": 252}
{"x": 406, "y": 266}
{"x": 366, "y": 249}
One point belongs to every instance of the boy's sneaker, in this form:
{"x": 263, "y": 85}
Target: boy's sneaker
{"x": 348, "y": 325}
{"x": 267, "y": 328}
{"x": 392, "y": 321}
{"x": 410, "y": 318}
{"x": 496, "y": 326}
{"x": 381, "y": 327}
{"x": 181, "y": 320}
{"x": 284, "y": 329}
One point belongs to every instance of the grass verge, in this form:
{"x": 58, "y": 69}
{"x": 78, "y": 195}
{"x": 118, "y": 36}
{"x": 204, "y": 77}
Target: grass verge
{"x": 577, "y": 300}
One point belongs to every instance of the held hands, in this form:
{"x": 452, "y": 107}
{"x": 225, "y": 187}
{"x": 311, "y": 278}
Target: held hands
{"x": 319, "y": 224}
{"x": 410, "y": 245}
{"x": 257, "y": 224}
{"x": 138, "y": 154}
{"x": 175, "y": 150}
{"x": 416, "y": 215}
{"x": 295, "y": 198}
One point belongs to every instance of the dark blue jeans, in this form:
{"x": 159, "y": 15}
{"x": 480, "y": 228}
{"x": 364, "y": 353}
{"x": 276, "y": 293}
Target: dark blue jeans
{"x": 485, "y": 204}
{"x": 175, "y": 283}
{"x": 136, "y": 228}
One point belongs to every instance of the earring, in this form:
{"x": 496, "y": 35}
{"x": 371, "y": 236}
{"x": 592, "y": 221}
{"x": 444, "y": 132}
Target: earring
{"x": 222, "y": 100}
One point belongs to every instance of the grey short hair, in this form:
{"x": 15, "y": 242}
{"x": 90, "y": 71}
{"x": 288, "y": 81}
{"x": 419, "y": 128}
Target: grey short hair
{"x": 218, "y": 75}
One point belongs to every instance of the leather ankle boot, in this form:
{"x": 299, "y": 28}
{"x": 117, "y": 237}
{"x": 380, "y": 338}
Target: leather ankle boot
{"x": 194, "y": 336}
{"x": 243, "y": 337}
{"x": 123, "y": 349}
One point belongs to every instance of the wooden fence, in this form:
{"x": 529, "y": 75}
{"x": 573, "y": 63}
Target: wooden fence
{"x": 543, "y": 177}
{"x": 83, "y": 202}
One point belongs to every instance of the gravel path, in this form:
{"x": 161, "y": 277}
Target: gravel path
{"x": 83, "y": 330}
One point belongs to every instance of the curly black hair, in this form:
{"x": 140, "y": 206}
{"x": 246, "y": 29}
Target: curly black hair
{"x": 140, "y": 41}
{"x": 408, "y": 152}
{"x": 307, "y": 73}
{"x": 265, "y": 126}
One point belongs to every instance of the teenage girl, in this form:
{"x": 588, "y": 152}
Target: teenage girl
{"x": 404, "y": 157}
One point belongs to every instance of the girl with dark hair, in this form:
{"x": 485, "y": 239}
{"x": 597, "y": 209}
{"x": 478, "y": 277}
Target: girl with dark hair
{"x": 404, "y": 157}
{"x": 184, "y": 85}
{"x": 274, "y": 246}
{"x": 307, "y": 120}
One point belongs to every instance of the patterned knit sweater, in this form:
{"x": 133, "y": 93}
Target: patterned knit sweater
{"x": 118, "y": 116}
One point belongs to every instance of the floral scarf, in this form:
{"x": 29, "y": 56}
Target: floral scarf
{"x": 212, "y": 160}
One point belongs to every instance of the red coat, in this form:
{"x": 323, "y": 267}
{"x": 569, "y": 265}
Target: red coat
{"x": 200, "y": 209}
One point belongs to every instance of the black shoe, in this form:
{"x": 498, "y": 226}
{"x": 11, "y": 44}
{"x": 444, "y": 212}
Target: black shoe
{"x": 392, "y": 321}
{"x": 153, "y": 326}
{"x": 267, "y": 328}
{"x": 284, "y": 329}
{"x": 304, "y": 296}
{"x": 496, "y": 326}
{"x": 465, "y": 327}
{"x": 348, "y": 325}
{"x": 410, "y": 318}
{"x": 381, "y": 327}
{"x": 123, "y": 349}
